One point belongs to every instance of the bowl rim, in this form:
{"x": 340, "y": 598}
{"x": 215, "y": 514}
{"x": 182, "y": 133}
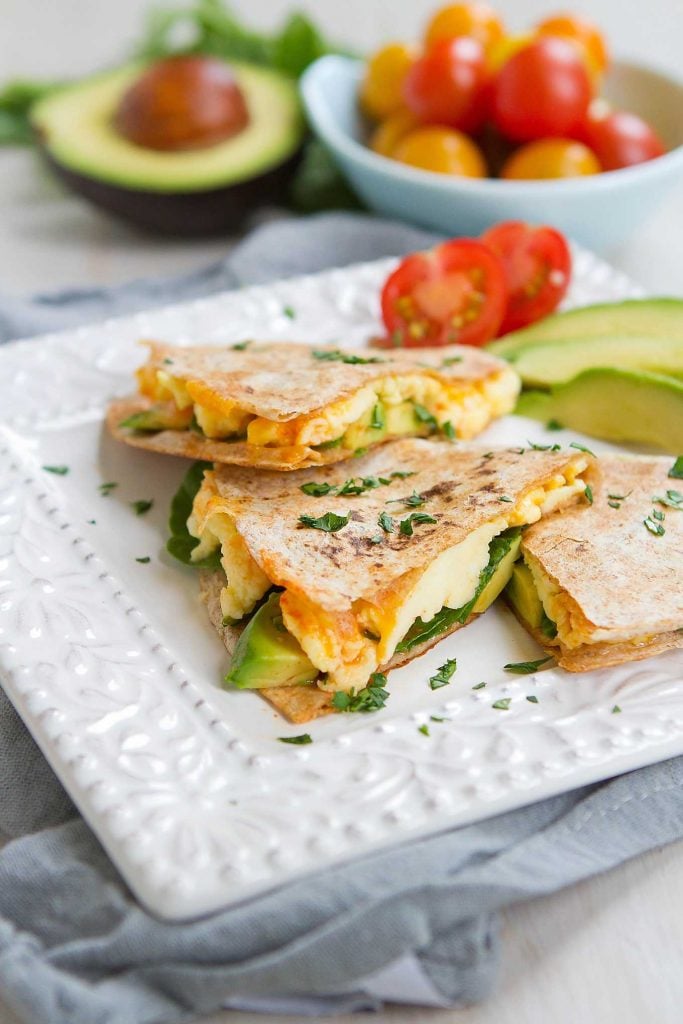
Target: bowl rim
{"x": 327, "y": 128}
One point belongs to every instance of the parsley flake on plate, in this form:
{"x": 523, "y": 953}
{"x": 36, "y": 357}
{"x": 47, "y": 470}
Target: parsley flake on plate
{"x": 503, "y": 704}
{"x": 328, "y": 523}
{"x": 57, "y": 470}
{"x": 524, "y": 668}
{"x": 424, "y": 729}
{"x": 142, "y": 505}
{"x": 107, "y": 488}
{"x": 371, "y": 698}
{"x": 532, "y": 698}
{"x": 143, "y": 561}
{"x": 297, "y": 740}
{"x": 479, "y": 686}
{"x": 616, "y": 710}
{"x": 240, "y": 346}
{"x": 443, "y": 674}
{"x": 288, "y": 311}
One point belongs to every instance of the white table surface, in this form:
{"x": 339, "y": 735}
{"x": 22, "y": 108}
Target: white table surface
{"x": 607, "y": 951}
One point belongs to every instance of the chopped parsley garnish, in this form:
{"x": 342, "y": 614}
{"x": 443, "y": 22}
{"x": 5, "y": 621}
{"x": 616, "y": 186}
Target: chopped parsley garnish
{"x": 488, "y": 455}
{"x": 377, "y": 539}
{"x": 518, "y": 451}
{"x": 107, "y": 488}
{"x": 588, "y": 491}
{"x": 400, "y": 474}
{"x": 450, "y": 360}
{"x": 424, "y": 729}
{"x": 415, "y": 518}
{"x": 614, "y": 504}
{"x": 288, "y": 311}
{"x": 676, "y": 471}
{"x": 92, "y": 522}
{"x": 656, "y": 514}
{"x": 503, "y": 704}
{"x": 554, "y": 425}
{"x": 167, "y": 361}
{"x": 620, "y": 497}
{"x": 438, "y": 718}
{"x": 672, "y": 499}
{"x": 360, "y": 451}
{"x": 654, "y": 527}
{"x": 582, "y": 448}
{"x": 414, "y": 500}
{"x": 240, "y": 346}
{"x": 335, "y": 356}
{"x": 532, "y": 698}
{"x": 378, "y": 422}
{"x": 616, "y": 710}
{"x": 505, "y": 497}
{"x": 425, "y": 416}
{"x": 524, "y": 668}
{"x": 386, "y": 522}
{"x": 316, "y": 490}
{"x": 449, "y": 430}
{"x": 57, "y": 470}
{"x": 329, "y": 523}
{"x": 297, "y": 740}
{"x": 141, "y": 506}
{"x": 329, "y": 444}
{"x": 143, "y": 561}
{"x": 443, "y": 675}
{"x": 479, "y": 686}
{"x": 371, "y": 698}
{"x": 544, "y": 447}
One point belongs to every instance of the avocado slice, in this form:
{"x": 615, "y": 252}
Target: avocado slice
{"x": 645, "y": 318}
{"x": 542, "y": 365}
{"x": 500, "y": 576}
{"x": 522, "y": 594}
{"x": 616, "y": 405}
{"x": 267, "y": 655}
{"x": 189, "y": 192}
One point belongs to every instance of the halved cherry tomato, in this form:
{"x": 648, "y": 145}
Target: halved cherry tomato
{"x": 582, "y": 32}
{"x": 537, "y": 264}
{"x": 477, "y": 20}
{"x": 443, "y": 150}
{"x": 454, "y": 294}
{"x": 380, "y": 91}
{"x": 621, "y": 139}
{"x": 551, "y": 158}
{"x": 446, "y": 86}
{"x": 542, "y": 90}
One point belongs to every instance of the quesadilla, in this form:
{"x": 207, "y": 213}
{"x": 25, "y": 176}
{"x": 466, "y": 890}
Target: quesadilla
{"x": 339, "y": 577}
{"x": 604, "y": 585}
{"x": 286, "y": 406}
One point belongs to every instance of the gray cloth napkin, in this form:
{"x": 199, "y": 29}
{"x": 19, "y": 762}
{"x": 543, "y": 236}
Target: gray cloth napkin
{"x": 417, "y": 922}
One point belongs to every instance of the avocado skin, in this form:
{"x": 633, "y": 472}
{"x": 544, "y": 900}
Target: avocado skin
{"x": 213, "y": 212}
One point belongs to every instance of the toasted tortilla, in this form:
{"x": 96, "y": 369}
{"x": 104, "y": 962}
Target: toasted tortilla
{"x": 622, "y": 579}
{"x": 281, "y": 381}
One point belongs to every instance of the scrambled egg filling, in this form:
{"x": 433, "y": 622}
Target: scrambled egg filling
{"x": 348, "y": 646}
{"x": 388, "y": 407}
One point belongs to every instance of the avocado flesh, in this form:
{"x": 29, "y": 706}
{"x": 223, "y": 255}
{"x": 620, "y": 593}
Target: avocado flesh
{"x": 267, "y": 655}
{"x": 397, "y": 421}
{"x": 499, "y": 579}
{"x": 544, "y": 364}
{"x": 74, "y": 125}
{"x": 644, "y": 318}
{"x": 522, "y": 594}
{"x": 616, "y": 405}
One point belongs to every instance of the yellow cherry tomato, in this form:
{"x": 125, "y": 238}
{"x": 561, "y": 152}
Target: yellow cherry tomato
{"x": 584, "y": 33}
{"x": 504, "y": 48}
{"x": 443, "y": 150}
{"x": 389, "y": 132}
{"x": 475, "y": 19}
{"x": 551, "y": 158}
{"x": 381, "y": 89}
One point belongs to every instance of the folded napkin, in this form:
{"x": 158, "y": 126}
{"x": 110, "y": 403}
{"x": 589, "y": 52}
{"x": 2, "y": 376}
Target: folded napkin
{"x": 414, "y": 924}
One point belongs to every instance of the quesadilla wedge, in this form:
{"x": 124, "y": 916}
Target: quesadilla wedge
{"x": 604, "y": 585}
{"x": 368, "y": 570}
{"x": 286, "y": 406}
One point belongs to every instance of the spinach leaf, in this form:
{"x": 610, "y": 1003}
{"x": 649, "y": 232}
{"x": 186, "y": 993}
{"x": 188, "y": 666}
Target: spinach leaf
{"x": 181, "y": 543}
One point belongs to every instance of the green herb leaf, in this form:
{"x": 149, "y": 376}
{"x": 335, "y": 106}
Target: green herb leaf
{"x": 676, "y": 471}
{"x": 505, "y": 497}
{"x": 328, "y": 523}
{"x": 672, "y": 499}
{"x": 335, "y": 356}
{"x": 614, "y": 504}
{"x": 400, "y": 474}
{"x": 107, "y": 488}
{"x": 378, "y": 421}
{"x": 415, "y": 518}
{"x": 532, "y": 698}
{"x": 503, "y": 704}
{"x": 360, "y": 451}
{"x": 386, "y": 522}
{"x": 181, "y": 543}
{"x": 544, "y": 447}
{"x": 143, "y": 561}
{"x": 240, "y": 346}
{"x": 616, "y": 710}
{"x": 654, "y": 527}
{"x": 377, "y": 539}
{"x": 316, "y": 490}
{"x": 57, "y": 470}
{"x": 554, "y": 425}
{"x": 297, "y": 740}
{"x": 414, "y": 500}
{"x": 582, "y": 448}
{"x": 326, "y": 445}
{"x": 548, "y": 627}
{"x": 424, "y": 729}
{"x": 371, "y": 698}
{"x": 451, "y": 360}
{"x": 588, "y": 491}
{"x": 288, "y": 311}
{"x": 141, "y": 506}
{"x": 438, "y": 718}
{"x": 524, "y": 668}
{"x": 620, "y": 497}
{"x": 424, "y": 416}
{"x": 443, "y": 675}
{"x": 656, "y": 514}
{"x": 449, "y": 431}
{"x": 479, "y": 686}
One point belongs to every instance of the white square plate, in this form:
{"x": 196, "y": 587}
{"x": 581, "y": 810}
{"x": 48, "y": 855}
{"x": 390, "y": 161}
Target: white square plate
{"x": 114, "y": 667}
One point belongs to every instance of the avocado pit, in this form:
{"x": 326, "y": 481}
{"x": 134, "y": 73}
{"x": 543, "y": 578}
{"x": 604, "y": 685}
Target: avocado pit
{"x": 182, "y": 103}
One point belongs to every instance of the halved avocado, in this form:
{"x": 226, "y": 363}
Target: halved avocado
{"x": 202, "y": 191}
{"x": 543, "y": 365}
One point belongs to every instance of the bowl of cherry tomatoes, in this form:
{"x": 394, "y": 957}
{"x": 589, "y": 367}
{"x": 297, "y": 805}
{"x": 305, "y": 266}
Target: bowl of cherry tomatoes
{"x": 473, "y": 125}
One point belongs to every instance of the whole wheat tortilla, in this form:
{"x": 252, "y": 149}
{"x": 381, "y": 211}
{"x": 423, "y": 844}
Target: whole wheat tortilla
{"x": 281, "y": 381}
{"x": 622, "y": 577}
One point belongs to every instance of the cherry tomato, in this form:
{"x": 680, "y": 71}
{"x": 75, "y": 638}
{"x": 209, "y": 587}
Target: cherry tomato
{"x": 380, "y": 91}
{"x": 446, "y": 86}
{"x": 537, "y": 264}
{"x": 455, "y": 293}
{"x": 621, "y": 139}
{"x": 542, "y": 90}
{"x": 551, "y": 158}
{"x": 477, "y": 20}
{"x": 584, "y": 33}
{"x": 443, "y": 150}
{"x": 501, "y": 51}
{"x": 389, "y": 133}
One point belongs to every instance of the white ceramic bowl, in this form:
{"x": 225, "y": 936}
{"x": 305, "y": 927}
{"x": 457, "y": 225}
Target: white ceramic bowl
{"x": 599, "y": 210}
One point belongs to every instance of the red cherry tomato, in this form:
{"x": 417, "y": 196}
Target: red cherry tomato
{"x": 454, "y": 294}
{"x": 446, "y": 86}
{"x": 537, "y": 264}
{"x": 542, "y": 90}
{"x": 620, "y": 139}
